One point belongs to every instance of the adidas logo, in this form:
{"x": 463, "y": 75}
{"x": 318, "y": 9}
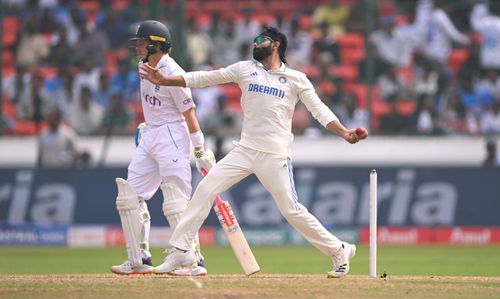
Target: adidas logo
{"x": 254, "y": 74}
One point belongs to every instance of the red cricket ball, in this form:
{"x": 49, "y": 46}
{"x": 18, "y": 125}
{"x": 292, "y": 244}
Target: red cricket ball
{"x": 362, "y": 133}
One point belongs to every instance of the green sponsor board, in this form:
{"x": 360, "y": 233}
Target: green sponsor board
{"x": 284, "y": 236}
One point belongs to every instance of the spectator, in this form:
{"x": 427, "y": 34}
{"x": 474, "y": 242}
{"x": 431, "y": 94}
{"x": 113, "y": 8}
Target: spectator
{"x": 104, "y": 91}
{"x": 301, "y": 120}
{"x": 207, "y": 102}
{"x": 492, "y": 159}
{"x": 441, "y": 34}
{"x": 88, "y": 76}
{"x": 299, "y": 46}
{"x": 475, "y": 100}
{"x": 488, "y": 25}
{"x": 249, "y": 26}
{"x": 333, "y": 14}
{"x": 424, "y": 117}
{"x": 490, "y": 120}
{"x": 392, "y": 86}
{"x": 223, "y": 124}
{"x": 325, "y": 47}
{"x": 117, "y": 118}
{"x": 92, "y": 45}
{"x": 226, "y": 45}
{"x": 60, "y": 49}
{"x": 116, "y": 29}
{"x": 126, "y": 80}
{"x": 199, "y": 46}
{"x": 60, "y": 89}
{"x": 34, "y": 102}
{"x": 394, "y": 123}
{"x": 329, "y": 88}
{"x": 490, "y": 83}
{"x": 350, "y": 114}
{"x": 57, "y": 144}
{"x": 15, "y": 84}
{"x": 425, "y": 81}
{"x": 456, "y": 119}
{"x": 394, "y": 44}
{"x": 86, "y": 115}
{"x": 32, "y": 46}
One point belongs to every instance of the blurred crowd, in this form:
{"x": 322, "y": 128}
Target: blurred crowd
{"x": 413, "y": 67}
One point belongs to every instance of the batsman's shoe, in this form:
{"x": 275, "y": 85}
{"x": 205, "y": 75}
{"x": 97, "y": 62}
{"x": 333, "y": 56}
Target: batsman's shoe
{"x": 194, "y": 270}
{"x": 176, "y": 258}
{"x": 128, "y": 269}
{"x": 341, "y": 260}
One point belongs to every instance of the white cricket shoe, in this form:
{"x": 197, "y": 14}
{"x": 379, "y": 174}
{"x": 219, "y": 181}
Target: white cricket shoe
{"x": 194, "y": 270}
{"x": 127, "y": 269}
{"x": 176, "y": 258}
{"x": 341, "y": 260}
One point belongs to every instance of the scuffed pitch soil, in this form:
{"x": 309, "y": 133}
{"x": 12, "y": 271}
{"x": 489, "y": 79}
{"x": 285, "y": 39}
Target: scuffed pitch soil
{"x": 239, "y": 286}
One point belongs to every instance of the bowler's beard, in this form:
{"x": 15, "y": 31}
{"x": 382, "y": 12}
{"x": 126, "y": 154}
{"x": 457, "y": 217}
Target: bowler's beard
{"x": 262, "y": 53}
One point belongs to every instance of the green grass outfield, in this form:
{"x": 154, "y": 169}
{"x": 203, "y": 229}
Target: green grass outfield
{"x": 413, "y": 272}
{"x": 394, "y": 260}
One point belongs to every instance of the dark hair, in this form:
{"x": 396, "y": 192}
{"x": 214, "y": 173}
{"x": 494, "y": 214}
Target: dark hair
{"x": 276, "y": 35}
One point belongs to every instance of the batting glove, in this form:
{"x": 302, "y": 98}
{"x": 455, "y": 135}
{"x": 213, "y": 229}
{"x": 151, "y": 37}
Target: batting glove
{"x": 205, "y": 159}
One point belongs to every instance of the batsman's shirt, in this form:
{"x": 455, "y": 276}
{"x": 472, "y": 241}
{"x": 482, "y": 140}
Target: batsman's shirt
{"x": 268, "y": 101}
{"x": 164, "y": 104}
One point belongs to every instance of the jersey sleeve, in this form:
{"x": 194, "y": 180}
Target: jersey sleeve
{"x": 182, "y": 96}
{"x": 202, "y": 79}
{"x": 313, "y": 103}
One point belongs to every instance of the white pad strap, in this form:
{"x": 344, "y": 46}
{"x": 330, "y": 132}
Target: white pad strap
{"x": 133, "y": 215}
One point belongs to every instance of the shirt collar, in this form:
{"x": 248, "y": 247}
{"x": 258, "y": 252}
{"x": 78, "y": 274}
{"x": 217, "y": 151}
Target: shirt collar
{"x": 282, "y": 67}
{"x": 163, "y": 61}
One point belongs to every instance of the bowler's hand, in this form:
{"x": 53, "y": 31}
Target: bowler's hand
{"x": 151, "y": 74}
{"x": 351, "y": 136}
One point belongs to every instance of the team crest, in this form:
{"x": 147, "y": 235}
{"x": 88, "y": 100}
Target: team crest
{"x": 157, "y": 88}
{"x": 282, "y": 80}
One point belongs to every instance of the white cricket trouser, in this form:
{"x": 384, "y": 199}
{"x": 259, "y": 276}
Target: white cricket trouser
{"x": 162, "y": 154}
{"x": 275, "y": 173}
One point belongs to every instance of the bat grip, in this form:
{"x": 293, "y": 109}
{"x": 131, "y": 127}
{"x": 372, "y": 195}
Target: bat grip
{"x": 218, "y": 200}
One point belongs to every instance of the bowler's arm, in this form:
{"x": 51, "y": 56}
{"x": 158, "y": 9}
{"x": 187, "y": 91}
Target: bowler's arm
{"x": 154, "y": 75}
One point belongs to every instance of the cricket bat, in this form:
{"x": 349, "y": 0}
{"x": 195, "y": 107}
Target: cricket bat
{"x": 235, "y": 236}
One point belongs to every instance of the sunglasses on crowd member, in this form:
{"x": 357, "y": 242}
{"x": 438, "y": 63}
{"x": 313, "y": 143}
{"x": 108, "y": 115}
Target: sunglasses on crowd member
{"x": 260, "y": 39}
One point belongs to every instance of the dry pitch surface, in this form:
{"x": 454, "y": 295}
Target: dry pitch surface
{"x": 239, "y": 286}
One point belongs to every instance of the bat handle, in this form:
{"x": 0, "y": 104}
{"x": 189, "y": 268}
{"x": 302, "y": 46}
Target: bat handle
{"x": 218, "y": 200}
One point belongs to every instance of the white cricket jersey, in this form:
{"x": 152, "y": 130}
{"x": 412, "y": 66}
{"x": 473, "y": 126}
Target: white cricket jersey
{"x": 441, "y": 33}
{"x": 268, "y": 101}
{"x": 489, "y": 27}
{"x": 165, "y": 104}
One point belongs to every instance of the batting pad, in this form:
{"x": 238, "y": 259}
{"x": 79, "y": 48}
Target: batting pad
{"x": 174, "y": 204}
{"x": 133, "y": 217}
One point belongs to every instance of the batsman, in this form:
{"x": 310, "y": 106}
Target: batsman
{"x": 270, "y": 91}
{"x": 161, "y": 158}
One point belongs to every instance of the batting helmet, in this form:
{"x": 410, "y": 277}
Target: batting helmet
{"x": 153, "y": 31}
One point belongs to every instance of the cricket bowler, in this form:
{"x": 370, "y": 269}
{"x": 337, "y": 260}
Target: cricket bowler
{"x": 270, "y": 91}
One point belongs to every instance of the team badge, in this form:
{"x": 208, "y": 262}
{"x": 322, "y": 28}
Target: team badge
{"x": 282, "y": 80}
{"x": 157, "y": 88}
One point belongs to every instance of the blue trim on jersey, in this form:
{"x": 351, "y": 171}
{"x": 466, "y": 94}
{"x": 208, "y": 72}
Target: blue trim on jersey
{"x": 295, "y": 197}
{"x": 171, "y": 137}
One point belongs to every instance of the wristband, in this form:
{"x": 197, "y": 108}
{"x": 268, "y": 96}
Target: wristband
{"x": 197, "y": 139}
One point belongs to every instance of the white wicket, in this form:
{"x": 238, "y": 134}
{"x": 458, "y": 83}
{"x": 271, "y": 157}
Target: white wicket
{"x": 373, "y": 223}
